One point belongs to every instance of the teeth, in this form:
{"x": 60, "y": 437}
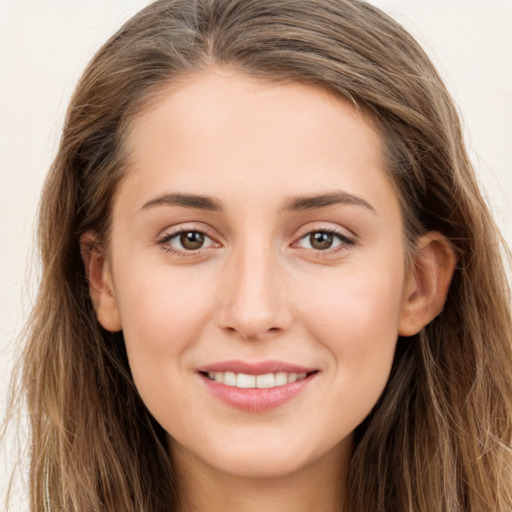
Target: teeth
{"x": 281, "y": 378}
{"x": 229, "y": 379}
{"x": 265, "y": 381}
{"x": 245, "y": 381}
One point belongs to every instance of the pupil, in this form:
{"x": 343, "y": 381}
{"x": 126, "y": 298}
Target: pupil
{"x": 320, "y": 240}
{"x": 192, "y": 240}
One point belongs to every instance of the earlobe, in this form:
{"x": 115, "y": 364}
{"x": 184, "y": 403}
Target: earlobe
{"x": 99, "y": 277}
{"x": 427, "y": 284}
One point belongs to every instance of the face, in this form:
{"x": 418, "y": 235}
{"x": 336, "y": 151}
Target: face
{"x": 256, "y": 268}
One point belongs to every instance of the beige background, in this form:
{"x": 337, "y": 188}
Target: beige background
{"x": 44, "y": 46}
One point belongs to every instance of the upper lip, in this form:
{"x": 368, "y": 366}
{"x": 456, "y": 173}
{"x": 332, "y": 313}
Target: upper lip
{"x": 259, "y": 368}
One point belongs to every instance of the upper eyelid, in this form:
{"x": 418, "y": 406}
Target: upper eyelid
{"x": 326, "y": 230}
{"x": 171, "y": 232}
{"x": 328, "y": 227}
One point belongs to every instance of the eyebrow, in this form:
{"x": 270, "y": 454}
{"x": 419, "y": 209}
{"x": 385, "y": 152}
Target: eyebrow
{"x": 302, "y": 203}
{"x": 186, "y": 201}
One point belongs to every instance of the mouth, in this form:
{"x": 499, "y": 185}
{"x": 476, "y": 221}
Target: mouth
{"x": 256, "y": 387}
{"x": 262, "y": 381}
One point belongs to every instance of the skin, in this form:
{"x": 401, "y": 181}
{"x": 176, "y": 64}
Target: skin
{"x": 258, "y": 289}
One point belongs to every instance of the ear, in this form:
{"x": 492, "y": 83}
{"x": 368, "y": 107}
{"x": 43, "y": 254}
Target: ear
{"x": 99, "y": 277}
{"x": 427, "y": 284}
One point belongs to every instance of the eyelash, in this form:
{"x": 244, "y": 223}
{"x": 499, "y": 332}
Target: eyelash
{"x": 345, "y": 242}
{"x": 164, "y": 242}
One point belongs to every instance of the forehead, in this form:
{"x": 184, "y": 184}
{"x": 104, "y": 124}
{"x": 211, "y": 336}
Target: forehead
{"x": 222, "y": 130}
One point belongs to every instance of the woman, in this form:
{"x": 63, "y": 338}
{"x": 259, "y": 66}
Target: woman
{"x": 274, "y": 282}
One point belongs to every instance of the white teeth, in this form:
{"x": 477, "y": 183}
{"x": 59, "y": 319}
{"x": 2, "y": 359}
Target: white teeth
{"x": 246, "y": 381}
{"x": 265, "y": 381}
{"x": 281, "y": 379}
{"x": 229, "y": 378}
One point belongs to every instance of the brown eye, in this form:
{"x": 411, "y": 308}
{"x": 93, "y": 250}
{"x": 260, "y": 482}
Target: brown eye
{"x": 192, "y": 240}
{"x": 186, "y": 242}
{"x": 324, "y": 240}
{"x": 321, "y": 240}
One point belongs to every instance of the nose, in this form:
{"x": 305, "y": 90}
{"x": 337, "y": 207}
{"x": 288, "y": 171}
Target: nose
{"x": 253, "y": 297}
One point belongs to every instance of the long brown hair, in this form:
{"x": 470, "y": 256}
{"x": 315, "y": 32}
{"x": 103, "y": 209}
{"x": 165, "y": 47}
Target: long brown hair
{"x": 439, "y": 439}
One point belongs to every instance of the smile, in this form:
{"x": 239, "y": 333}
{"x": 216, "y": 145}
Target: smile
{"x": 246, "y": 381}
{"x": 256, "y": 387}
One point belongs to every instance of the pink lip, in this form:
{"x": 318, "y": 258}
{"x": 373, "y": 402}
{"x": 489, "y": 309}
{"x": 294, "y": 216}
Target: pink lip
{"x": 260, "y": 368}
{"x": 255, "y": 399}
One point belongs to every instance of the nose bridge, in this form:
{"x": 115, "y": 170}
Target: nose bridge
{"x": 253, "y": 295}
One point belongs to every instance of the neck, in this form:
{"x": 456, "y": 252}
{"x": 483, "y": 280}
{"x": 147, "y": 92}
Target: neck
{"x": 318, "y": 486}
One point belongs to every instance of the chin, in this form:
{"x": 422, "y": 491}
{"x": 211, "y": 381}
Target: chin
{"x": 260, "y": 464}
{"x": 262, "y": 457}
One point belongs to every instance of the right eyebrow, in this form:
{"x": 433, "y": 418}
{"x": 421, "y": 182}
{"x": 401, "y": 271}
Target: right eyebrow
{"x": 185, "y": 201}
{"x": 302, "y": 203}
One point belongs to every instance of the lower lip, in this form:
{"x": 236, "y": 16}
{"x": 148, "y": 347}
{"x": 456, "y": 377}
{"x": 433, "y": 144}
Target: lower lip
{"x": 256, "y": 399}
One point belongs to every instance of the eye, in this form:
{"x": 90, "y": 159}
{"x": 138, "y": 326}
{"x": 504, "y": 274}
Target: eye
{"x": 324, "y": 240}
{"x": 188, "y": 240}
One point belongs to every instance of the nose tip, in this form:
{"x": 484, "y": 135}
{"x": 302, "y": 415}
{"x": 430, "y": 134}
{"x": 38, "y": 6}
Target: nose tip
{"x": 251, "y": 323}
{"x": 251, "y": 330}
{"x": 254, "y": 304}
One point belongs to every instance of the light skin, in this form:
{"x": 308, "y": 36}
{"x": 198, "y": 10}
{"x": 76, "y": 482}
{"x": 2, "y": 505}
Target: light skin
{"x": 257, "y": 223}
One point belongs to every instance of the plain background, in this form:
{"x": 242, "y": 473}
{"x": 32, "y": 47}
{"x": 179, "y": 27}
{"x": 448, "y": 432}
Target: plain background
{"x": 44, "y": 46}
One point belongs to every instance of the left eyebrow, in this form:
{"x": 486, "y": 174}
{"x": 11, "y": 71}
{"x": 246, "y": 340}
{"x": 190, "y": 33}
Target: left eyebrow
{"x": 302, "y": 203}
{"x": 185, "y": 201}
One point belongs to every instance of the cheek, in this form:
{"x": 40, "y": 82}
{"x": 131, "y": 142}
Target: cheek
{"x": 355, "y": 303}
{"x": 355, "y": 317}
{"x": 164, "y": 303}
{"x": 162, "y": 314}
